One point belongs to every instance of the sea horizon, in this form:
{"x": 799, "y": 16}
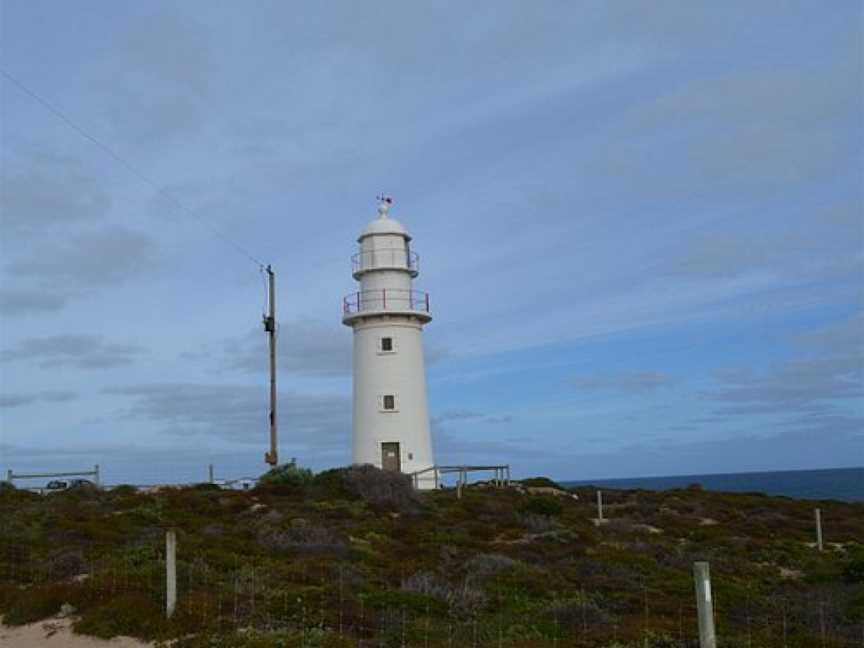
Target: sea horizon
{"x": 844, "y": 484}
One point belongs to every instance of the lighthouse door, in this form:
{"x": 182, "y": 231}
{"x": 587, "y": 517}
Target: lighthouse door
{"x": 390, "y": 457}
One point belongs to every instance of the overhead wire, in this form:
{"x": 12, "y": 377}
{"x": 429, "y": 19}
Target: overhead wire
{"x": 131, "y": 168}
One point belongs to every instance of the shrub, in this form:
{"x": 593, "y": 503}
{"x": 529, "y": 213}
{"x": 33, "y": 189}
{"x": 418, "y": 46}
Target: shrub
{"x": 37, "y": 603}
{"x": 303, "y": 538}
{"x": 485, "y": 565}
{"x": 66, "y": 563}
{"x": 543, "y": 505}
{"x": 287, "y": 475}
{"x": 464, "y": 597}
{"x": 542, "y": 482}
{"x": 207, "y": 486}
{"x": 130, "y": 614}
{"x": 381, "y": 489}
{"x": 7, "y": 486}
{"x": 540, "y": 523}
{"x": 330, "y": 485}
{"x": 854, "y": 570}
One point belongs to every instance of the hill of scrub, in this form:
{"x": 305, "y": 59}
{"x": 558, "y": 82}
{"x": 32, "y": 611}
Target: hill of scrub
{"x": 355, "y": 557}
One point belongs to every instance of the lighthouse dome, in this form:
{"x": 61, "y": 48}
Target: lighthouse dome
{"x": 384, "y": 224}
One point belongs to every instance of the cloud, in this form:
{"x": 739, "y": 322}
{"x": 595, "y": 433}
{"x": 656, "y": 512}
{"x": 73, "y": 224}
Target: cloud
{"x": 737, "y": 132}
{"x": 47, "y": 193}
{"x": 633, "y": 381}
{"x": 165, "y": 90}
{"x": 467, "y": 415}
{"x": 108, "y": 255}
{"x": 797, "y": 245}
{"x": 828, "y": 371}
{"x": 456, "y": 415}
{"x": 240, "y": 413}
{"x": 304, "y": 347}
{"x": 765, "y": 450}
{"x": 78, "y": 351}
{"x": 28, "y": 302}
{"x": 51, "y": 396}
{"x": 59, "y": 241}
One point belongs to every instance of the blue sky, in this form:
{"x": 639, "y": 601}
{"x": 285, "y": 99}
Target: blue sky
{"x": 640, "y": 224}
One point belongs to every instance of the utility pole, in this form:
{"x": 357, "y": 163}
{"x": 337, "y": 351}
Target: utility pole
{"x": 272, "y": 457}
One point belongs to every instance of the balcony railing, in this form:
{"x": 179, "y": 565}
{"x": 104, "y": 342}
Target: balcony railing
{"x": 399, "y": 258}
{"x": 386, "y": 299}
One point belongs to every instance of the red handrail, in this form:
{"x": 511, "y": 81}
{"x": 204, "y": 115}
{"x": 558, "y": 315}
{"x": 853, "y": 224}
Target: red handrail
{"x": 386, "y": 299}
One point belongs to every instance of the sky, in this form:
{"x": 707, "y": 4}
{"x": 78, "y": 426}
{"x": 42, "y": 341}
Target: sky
{"x": 641, "y": 225}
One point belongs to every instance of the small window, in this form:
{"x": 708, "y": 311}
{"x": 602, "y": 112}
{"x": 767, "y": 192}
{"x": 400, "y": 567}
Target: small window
{"x": 389, "y": 402}
{"x": 387, "y": 344}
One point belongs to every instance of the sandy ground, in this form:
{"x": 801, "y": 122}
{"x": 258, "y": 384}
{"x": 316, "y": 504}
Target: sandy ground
{"x": 57, "y": 633}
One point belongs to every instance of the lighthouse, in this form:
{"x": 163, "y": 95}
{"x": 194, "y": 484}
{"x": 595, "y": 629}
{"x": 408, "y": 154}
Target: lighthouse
{"x": 391, "y": 415}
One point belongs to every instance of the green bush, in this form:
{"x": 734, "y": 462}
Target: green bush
{"x": 854, "y": 570}
{"x": 123, "y": 490}
{"x": 206, "y": 486}
{"x": 541, "y": 482}
{"x": 381, "y": 489}
{"x": 36, "y": 603}
{"x": 311, "y": 638}
{"x": 290, "y": 475}
{"x": 130, "y": 614}
{"x": 543, "y": 505}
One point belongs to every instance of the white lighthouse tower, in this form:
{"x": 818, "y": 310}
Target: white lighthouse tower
{"x": 391, "y": 416}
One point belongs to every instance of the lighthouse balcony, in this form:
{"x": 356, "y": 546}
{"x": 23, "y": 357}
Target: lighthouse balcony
{"x": 386, "y": 301}
{"x": 398, "y": 258}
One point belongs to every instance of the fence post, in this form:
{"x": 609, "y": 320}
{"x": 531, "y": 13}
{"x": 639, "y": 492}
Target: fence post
{"x": 96, "y": 470}
{"x": 819, "y": 529}
{"x": 600, "y": 505}
{"x": 210, "y": 473}
{"x": 170, "y": 572}
{"x": 704, "y": 607}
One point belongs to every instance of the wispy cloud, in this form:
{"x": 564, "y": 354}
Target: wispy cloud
{"x": 633, "y": 381}
{"x": 77, "y": 351}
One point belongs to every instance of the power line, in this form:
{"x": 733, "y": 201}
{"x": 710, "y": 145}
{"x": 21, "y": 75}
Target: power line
{"x": 131, "y": 168}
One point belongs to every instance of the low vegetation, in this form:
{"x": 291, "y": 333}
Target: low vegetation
{"x": 356, "y": 557}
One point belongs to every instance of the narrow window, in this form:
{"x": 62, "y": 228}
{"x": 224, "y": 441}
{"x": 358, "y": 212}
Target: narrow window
{"x": 386, "y": 344}
{"x": 389, "y": 402}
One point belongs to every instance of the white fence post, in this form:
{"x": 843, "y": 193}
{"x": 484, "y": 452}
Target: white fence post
{"x": 600, "y": 505}
{"x": 819, "y": 529}
{"x": 170, "y": 572}
{"x": 704, "y": 606}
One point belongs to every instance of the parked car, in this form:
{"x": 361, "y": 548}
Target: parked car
{"x": 56, "y": 485}
{"x": 81, "y": 483}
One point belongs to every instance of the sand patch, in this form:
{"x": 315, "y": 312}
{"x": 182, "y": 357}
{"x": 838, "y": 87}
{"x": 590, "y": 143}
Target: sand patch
{"x": 57, "y": 633}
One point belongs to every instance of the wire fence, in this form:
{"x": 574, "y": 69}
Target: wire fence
{"x": 311, "y": 600}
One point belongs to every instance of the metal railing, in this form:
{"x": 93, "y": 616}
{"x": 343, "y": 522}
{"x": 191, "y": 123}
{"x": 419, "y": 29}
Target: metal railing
{"x": 386, "y": 299}
{"x": 400, "y": 258}
{"x": 12, "y": 476}
{"x": 501, "y": 475}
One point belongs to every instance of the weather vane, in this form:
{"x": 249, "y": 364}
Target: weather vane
{"x": 384, "y": 203}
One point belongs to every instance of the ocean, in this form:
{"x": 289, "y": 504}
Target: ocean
{"x": 845, "y": 484}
